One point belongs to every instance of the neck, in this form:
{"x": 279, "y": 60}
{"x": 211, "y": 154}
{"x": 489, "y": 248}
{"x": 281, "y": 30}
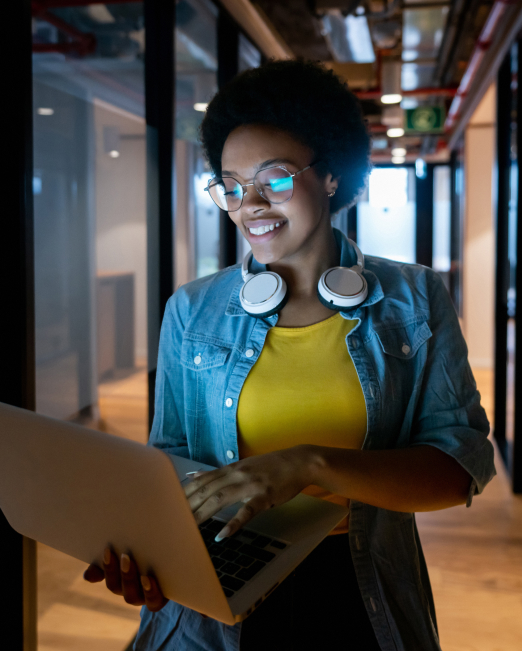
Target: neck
{"x": 302, "y": 271}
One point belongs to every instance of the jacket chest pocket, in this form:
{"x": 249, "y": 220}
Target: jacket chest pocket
{"x": 205, "y": 370}
{"x": 404, "y": 340}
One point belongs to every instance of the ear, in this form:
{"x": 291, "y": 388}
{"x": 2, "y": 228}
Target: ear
{"x": 331, "y": 183}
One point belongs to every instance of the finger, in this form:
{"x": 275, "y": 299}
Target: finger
{"x": 130, "y": 581}
{"x": 244, "y": 515}
{"x": 208, "y": 491}
{"x": 154, "y": 599}
{"x": 111, "y": 567}
{"x": 219, "y": 499}
{"x": 203, "y": 479}
{"x": 94, "y": 574}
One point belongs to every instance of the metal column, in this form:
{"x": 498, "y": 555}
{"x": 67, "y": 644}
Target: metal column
{"x": 160, "y": 114}
{"x": 502, "y": 261}
{"x": 17, "y": 375}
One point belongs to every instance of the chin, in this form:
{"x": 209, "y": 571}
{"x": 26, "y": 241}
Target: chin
{"x": 265, "y": 257}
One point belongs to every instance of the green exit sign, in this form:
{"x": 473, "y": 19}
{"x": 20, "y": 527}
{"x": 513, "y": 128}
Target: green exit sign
{"x": 425, "y": 119}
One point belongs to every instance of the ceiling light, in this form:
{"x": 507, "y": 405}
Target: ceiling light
{"x": 391, "y": 81}
{"x": 395, "y": 133}
{"x": 358, "y": 36}
{"x": 45, "y": 111}
{"x": 398, "y": 151}
{"x": 200, "y": 106}
{"x": 393, "y": 98}
{"x": 398, "y": 160}
{"x": 114, "y": 153}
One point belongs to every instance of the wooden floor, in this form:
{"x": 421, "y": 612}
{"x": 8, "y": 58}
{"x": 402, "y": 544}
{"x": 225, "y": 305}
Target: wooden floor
{"x": 474, "y": 559}
{"x": 74, "y": 615}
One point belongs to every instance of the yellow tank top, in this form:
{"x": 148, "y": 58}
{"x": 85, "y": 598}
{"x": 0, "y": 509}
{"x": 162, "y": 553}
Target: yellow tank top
{"x": 303, "y": 389}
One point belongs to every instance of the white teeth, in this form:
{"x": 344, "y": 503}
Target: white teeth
{"x": 264, "y": 229}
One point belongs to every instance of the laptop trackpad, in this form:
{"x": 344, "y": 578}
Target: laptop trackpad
{"x": 291, "y": 521}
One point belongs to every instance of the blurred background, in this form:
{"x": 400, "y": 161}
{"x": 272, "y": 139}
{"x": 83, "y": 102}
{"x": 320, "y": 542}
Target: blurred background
{"x": 109, "y": 217}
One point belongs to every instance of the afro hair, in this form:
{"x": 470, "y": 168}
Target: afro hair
{"x": 305, "y": 99}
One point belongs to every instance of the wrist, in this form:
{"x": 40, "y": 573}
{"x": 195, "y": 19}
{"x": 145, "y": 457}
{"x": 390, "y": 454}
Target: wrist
{"x": 314, "y": 462}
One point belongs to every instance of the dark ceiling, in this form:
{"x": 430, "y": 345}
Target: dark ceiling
{"x": 432, "y": 41}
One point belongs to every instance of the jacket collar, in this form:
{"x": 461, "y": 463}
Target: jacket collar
{"x": 348, "y": 259}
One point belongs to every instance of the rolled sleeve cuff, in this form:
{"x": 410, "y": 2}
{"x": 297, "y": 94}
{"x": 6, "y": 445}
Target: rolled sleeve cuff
{"x": 473, "y": 490}
{"x": 473, "y": 451}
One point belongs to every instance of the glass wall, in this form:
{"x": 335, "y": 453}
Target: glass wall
{"x": 197, "y": 217}
{"x": 90, "y": 269}
{"x": 386, "y": 214}
{"x": 442, "y": 221}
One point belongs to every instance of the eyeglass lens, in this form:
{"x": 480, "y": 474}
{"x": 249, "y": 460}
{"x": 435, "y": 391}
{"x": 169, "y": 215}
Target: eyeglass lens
{"x": 274, "y": 184}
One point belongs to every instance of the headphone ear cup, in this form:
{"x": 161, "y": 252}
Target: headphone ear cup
{"x": 263, "y": 294}
{"x": 341, "y": 288}
{"x": 274, "y": 310}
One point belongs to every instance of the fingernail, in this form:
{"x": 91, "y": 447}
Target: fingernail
{"x": 107, "y": 556}
{"x": 222, "y": 534}
{"x": 125, "y": 563}
{"x": 145, "y": 582}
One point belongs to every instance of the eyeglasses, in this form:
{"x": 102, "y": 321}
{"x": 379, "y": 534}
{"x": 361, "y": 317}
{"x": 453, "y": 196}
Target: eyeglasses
{"x": 275, "y": 184}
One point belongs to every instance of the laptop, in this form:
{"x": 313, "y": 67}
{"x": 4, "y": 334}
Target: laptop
{"x": 79, "y": 490}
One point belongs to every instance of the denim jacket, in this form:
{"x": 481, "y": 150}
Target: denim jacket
{"x": 411, "y": 360}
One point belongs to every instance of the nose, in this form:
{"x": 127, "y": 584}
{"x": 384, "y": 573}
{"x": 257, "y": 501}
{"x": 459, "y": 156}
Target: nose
{"x": 253, "y": 202}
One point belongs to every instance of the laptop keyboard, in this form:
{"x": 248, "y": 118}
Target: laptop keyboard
{"x": 240, "y": 557}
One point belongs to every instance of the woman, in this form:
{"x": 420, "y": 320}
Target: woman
{"x": 372, "y": 406}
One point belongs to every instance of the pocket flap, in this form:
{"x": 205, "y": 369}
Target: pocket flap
{"x": 201, "y": 355}
{"x": 404, "y": 341}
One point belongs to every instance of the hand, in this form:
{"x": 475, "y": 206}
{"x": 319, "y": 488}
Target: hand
{"x": 262, "y": 482}
{"x": 123, "y": 578}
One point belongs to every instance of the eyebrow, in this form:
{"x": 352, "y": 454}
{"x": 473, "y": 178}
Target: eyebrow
{"x": 270, "y": 161}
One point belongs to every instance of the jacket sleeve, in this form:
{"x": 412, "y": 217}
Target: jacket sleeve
{"x": 168, "y": 432}
{"x": 449, "y": 415}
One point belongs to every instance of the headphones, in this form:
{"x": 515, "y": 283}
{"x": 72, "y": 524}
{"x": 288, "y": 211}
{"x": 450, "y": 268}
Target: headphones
{"x": 265, "y": 293}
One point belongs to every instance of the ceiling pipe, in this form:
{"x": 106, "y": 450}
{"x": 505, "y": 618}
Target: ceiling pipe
{"x": 482, "y": 45}
{"x": 376, "y": 92}
{"x": 81, "y": 43}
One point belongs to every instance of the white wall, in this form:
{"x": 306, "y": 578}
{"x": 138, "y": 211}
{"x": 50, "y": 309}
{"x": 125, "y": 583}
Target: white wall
{"x": 479, "y": 233}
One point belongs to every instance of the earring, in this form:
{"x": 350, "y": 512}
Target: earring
{"x": 331, "y": 194}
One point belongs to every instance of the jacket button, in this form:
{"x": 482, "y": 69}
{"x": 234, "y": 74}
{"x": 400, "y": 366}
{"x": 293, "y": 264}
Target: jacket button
{"x": 405, "y": 349}
{"x": 374, "y": 605}
{"x": 249, "y": 353}
{"x": 229, "y": 402}
{"x": 358, "y": 543}
{"x": 230, "y": 454}
{"x": 197, "y": 359}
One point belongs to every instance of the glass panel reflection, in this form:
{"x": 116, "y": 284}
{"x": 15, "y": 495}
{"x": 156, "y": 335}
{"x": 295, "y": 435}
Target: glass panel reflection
{"x": 197, "y": 218}
{"x": 90, "y": 269}
{"x": 386, "y": 214}
{"x": 442, "y": 220}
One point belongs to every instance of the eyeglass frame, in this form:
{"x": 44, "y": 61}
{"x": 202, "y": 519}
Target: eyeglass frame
{"x": 264, "y": 169}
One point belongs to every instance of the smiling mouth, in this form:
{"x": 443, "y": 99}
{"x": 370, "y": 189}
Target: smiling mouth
{"x": 261, "y": 230}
